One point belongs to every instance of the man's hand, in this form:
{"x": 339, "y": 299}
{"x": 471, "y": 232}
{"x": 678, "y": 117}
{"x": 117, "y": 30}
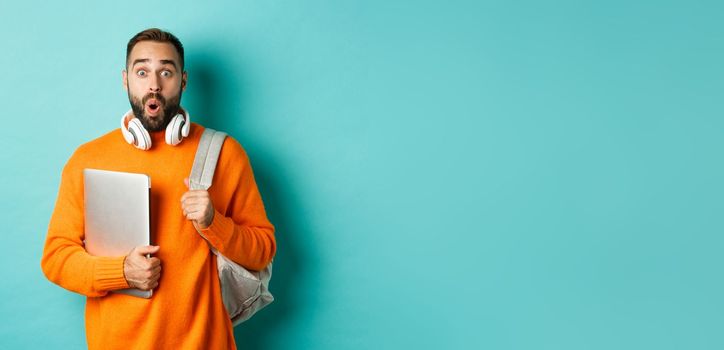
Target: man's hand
{"x": 142, "y": 272}
{"x": 197, "y": 206}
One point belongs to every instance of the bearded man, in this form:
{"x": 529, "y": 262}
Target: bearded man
{"x": 157, "y": 138}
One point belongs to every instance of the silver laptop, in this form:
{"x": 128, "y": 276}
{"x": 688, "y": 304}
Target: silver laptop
{"x": 117, "y": 215}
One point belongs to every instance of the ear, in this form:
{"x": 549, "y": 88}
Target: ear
{"x": 184, "y": 80}
{"x": 124, "y": 79}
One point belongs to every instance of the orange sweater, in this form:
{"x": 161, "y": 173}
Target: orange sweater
{"x": 186, "y": 310}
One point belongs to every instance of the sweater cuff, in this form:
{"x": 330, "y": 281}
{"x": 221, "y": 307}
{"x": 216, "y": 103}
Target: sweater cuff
{"x": 219, "y": 231}
{"x": 108, "y": 274}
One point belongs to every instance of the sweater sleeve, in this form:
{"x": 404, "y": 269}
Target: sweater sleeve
{"x": 65, "y": 261}
{"x": 242, "y": 232}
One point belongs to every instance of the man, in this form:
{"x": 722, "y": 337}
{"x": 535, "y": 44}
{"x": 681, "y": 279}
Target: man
{"x": 186, "y": 310}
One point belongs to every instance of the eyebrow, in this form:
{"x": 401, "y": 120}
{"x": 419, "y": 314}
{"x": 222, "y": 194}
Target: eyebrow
{"x": 146, "y": 60}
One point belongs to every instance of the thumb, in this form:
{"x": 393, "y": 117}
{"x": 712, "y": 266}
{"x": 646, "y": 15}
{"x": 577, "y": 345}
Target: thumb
{"x": 147, "y": 249}
{"x": 186, "y": 182}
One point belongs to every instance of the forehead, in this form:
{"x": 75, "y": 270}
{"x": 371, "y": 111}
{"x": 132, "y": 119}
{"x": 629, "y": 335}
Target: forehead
{"x": 154, "y": 51}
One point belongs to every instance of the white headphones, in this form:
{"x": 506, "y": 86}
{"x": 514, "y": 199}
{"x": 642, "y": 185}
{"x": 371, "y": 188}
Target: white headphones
{"x": 137, "y": 135}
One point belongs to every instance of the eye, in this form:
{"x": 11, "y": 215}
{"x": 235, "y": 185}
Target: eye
{"x": 166, "y": 73}
{"x": 141, "y": 73}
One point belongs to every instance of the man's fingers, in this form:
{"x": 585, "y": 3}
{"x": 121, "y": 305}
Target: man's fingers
{"x": 193, "y": 193}
{"x": 148, "y": 281}
{"x": 196, "y": 215}
{"x": 155, "y": 276}
{"x": 147, "y": 286}
{"x": 194, "y": 199}
{"x": 194, "y": 208}
{"x": 146, "y": 249}
{"x": 151, "y": 275}
{"x": 154, "y": 262}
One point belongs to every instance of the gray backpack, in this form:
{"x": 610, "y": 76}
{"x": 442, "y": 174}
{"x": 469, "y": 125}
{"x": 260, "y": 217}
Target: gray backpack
{"x": 244, "y": 292}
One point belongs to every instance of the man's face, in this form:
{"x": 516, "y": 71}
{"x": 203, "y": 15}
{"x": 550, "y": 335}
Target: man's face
{"x": 154, "y": 82}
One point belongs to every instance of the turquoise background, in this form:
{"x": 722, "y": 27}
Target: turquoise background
{"x": 442, "y": 175}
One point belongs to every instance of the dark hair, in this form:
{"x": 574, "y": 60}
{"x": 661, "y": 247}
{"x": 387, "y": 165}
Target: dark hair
{"x": 158, "y": 35}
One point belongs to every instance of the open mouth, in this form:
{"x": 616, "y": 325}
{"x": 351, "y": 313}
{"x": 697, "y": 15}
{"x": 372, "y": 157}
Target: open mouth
{"x": 153, "y": 106}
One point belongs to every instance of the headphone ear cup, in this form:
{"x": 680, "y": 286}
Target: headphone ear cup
{"x": 173, "y": 130}
{"x": 142, "y": 139}
{"x": 187, "y": 125}
{"x": 127, "y": 135}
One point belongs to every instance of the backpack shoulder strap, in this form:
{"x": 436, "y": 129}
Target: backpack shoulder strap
{"x": 207, "y": 155}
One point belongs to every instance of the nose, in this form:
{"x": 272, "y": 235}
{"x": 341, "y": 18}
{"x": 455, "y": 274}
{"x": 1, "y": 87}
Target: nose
{"x": 154, "y": 86}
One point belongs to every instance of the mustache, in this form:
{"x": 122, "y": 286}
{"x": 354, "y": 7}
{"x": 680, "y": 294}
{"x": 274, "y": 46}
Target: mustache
{"x": 153, "y": 95}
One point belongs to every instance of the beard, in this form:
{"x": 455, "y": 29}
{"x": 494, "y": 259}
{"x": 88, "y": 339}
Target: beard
{"x": 169, "y": 109}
